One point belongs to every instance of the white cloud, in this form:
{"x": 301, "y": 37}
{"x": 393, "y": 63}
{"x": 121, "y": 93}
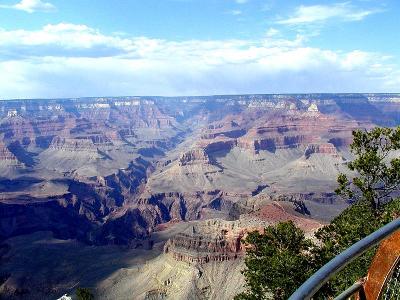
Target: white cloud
{"x": 272, "y": 32}
{"x": 241, "y": 1}
{"x": 235, "y": 12}
{"x": 68, "y": 60}
{"x": 61, "y": 39}
{"x": 31, "y": 6}
{"x": 34, "y": 5}
{"x": 321, "y": 13}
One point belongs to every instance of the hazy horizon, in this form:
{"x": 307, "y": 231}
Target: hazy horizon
{"x": 192, "y": 96}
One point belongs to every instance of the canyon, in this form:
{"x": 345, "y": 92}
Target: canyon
{"x": 150, "y": 197}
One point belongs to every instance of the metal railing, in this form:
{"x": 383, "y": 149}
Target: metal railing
{"x": 316, "y": 281}
{"x": 350, "y": 291}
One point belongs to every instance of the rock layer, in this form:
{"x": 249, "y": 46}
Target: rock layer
{"x": 213, "y": 240}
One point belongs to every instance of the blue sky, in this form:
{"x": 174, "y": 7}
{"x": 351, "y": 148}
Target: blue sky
{"x": 54, "y": 48}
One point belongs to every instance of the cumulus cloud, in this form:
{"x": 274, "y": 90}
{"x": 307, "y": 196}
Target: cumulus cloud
{"x": 31, "y": 6}
{"x": 61, "y": 40}
{"x": 321, "y": 13}
{"x": 69, "y": 60}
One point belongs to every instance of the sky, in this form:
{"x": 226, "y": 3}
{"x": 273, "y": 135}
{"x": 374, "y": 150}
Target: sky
{"x": 79, "y": 48}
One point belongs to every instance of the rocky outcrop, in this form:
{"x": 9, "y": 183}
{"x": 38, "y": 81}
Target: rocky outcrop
{"x": 176, "y": 206}
{"x": 6, "y": 156}
{"x": 323, "y": 148}
{"x": 73, "y": 145}
{"x": 259, "y": 130}
{"x": 228, "y": 128}
{"x": 130, "y": 182}
{"x": 219, "y": 144}
{"x": 194, "y": 156}
{"x": 98, "y": 139}
{"x": 273, "y": 143}
{"x": 212, "y": 240}
{"x": 275, "y": 212}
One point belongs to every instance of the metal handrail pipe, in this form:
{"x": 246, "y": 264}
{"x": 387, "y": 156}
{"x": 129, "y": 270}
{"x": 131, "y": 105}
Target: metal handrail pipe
{"x": 319, "y": 278}
{"x": 350, "y": 291}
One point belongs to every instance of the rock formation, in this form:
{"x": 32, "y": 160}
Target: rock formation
{"x": 6, "y": 156}
{"x": 74, "y": 145}
{"x": 194, "y": 156}
{"x": 213, "y": 240}
{"x": 323, "y": 148}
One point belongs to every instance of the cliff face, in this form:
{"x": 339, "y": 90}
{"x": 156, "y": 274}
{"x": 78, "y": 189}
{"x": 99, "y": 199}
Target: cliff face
{"x": 270, "y": 131}
{"x": 6, "y": 156}
{"x": 207, "y": 241}
{"x": 194, "y": 156}
{"x": 275, "y": 212}
{"x": 73, "y": 145}
{"x": 323, "y": 148}
{"x": 283, "y": 130}
{"x": 217, "y": 240}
